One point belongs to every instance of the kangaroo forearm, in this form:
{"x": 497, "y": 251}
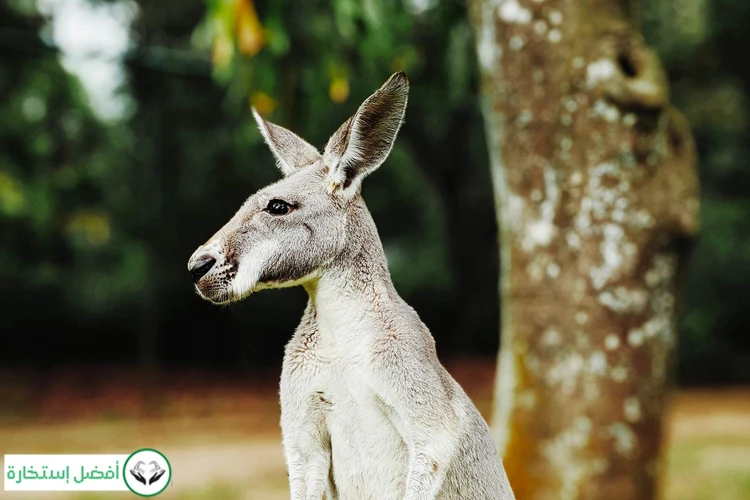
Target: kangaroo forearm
{"x": 316, "y": 477}
{"x": 296, "y": 470}
{"x": 423, "y": 487}
{"x": 308, "y": 473}
{"x": 309, "y": 484}
{"x": 425, "y": 478}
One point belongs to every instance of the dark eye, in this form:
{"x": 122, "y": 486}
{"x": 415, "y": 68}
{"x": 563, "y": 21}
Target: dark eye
{"x": 278, "y": 207}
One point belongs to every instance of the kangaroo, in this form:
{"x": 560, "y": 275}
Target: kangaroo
{"x": 367, "y": 410}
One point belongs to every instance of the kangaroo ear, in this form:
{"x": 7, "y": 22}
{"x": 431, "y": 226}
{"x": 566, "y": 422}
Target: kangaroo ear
{"x": 364, "y": 141}
{"x": 290, "y": 150}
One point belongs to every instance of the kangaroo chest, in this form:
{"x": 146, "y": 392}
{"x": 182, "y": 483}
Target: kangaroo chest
{"x": 368, "y": 450}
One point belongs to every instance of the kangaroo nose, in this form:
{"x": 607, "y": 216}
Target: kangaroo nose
{"x": 201, "y": 266}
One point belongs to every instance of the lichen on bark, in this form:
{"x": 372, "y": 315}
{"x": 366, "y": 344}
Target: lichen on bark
{"x": 595, "y": 181}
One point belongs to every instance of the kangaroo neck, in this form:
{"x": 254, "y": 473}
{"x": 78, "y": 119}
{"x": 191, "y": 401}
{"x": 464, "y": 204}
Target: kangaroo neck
{"x": 351, "y": 294}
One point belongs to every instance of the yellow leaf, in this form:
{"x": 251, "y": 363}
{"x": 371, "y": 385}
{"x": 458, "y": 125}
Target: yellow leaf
{"x": 339, "y": 89}
{"x": 12, "y": 199}
{"x": 398, "y": 63}
{"x": 222, "y": 51}
{"x": 250, "y": 35}
{"x": 262, "y": 102}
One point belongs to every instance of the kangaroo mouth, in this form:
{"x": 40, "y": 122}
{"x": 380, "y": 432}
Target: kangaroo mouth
{"x": 215, "y": 296}
{"x": 216, "y": 288}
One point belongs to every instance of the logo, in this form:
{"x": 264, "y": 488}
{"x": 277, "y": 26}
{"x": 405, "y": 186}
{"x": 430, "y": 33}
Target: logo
{"x": 64, "y": 473}
{"x": 147, "y": 472}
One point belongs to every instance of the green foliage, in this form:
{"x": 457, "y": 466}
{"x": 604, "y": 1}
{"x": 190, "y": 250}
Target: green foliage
{"x": 53, "y": 207}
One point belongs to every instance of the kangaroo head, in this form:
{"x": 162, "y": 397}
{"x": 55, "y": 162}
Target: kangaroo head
{"x": 289, "y": 231}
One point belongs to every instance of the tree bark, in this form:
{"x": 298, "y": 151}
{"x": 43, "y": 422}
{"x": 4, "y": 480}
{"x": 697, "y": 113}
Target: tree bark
{"x": 595, "y": 181}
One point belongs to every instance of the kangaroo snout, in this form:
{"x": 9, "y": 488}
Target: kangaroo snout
{"x": 212, "y": 272}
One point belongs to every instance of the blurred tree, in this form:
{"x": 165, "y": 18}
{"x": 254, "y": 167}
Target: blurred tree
{"x": 596, "y": 192}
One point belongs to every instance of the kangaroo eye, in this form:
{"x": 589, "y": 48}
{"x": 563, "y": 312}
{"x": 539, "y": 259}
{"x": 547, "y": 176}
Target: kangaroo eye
{"x": 278, "y": 207}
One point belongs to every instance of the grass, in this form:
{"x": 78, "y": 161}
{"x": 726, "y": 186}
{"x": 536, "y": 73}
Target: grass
{"x": 709, "y": 468}
{"x": 709, "y": 446}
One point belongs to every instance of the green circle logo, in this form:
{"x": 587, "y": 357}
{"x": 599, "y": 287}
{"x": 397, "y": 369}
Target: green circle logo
{"x": 147, "y": 472}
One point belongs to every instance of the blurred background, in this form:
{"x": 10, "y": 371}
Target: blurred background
{"x": 126, "y": 140}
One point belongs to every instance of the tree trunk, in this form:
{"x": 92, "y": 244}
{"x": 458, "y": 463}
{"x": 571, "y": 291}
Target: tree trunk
{"x": 595, "y": 182}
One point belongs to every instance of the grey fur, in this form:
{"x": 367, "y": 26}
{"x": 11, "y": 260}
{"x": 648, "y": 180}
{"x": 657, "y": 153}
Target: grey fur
{"x": 368, "y": 411}
{"x": 291, "y": 151}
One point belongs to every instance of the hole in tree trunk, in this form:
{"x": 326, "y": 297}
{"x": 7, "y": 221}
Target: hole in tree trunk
{"x": 675, "y": 138}
{"x": 626, "y": 65}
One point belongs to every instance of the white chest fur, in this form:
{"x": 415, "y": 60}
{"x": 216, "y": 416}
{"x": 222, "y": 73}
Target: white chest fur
{"x": 369, "y": 457}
